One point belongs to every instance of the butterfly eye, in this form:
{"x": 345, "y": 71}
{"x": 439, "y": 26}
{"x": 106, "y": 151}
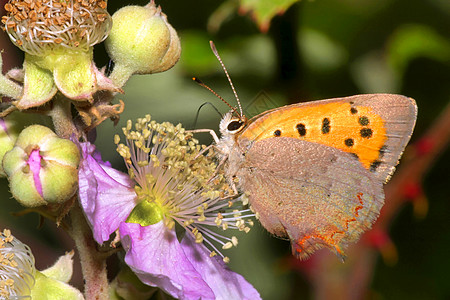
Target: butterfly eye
{"x": 234, "y": 125}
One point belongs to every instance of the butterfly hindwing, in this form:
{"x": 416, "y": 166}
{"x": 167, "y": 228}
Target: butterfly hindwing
{"x": 311, "y": 193}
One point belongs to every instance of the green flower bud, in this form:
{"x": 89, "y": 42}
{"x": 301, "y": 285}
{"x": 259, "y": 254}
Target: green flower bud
{"x": 141, "y": 41}
{"x": 52, "y": 283}
{"x": 8, "y": 136}
{"x": 10, "y": 128}
{"x": 41, "y": 168}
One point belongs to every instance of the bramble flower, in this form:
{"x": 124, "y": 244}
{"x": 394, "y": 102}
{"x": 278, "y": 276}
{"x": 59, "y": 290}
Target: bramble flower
{"x": 16, "y": 267}
{"x": 168, "y": 185}
{"x": 58, "y": 38}
{"x": 19, "y": 278}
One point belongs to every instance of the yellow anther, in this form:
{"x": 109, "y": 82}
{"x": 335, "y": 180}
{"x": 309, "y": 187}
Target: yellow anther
{"x": 227, "y": 245}
{"x": 202, "y": 218}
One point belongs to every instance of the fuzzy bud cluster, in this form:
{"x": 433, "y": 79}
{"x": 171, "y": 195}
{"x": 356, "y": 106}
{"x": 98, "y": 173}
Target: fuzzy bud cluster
{"x": 40, "y": 26}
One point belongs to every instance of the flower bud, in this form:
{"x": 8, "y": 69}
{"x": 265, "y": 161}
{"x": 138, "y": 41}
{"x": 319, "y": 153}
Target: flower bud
{"x": 10, "y": 127}
{"x": 8, "y": 136}
{"x": 141, "y": 40}
{"x": 41, "y": 168}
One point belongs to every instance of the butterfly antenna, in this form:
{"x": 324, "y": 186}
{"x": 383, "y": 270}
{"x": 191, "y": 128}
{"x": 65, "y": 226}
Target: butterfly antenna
{"x": 214, "y": 50}
{"x": 194, "y": 125}
{"x": 217, "y": 95}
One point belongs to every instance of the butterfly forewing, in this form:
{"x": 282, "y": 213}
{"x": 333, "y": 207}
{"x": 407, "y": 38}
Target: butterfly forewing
{"x": 375, "y": 128}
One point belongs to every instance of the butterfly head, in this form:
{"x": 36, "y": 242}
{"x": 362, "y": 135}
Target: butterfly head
{"x": 231, "y": 125}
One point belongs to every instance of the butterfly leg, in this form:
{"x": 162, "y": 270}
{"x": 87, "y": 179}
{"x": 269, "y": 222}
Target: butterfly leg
{"x": 207, "y": 149}
{"x": 219, "y": 165}
{"x": 210, "y": 131}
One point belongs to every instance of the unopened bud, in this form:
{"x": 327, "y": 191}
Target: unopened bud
{"x": 41, "y": 168}
{"x": 10, "y": 127}
{"x": 142, "y": 41}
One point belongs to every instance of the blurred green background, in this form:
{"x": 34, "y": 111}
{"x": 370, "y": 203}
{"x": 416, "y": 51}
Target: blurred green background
{"x": 316, "y": 50}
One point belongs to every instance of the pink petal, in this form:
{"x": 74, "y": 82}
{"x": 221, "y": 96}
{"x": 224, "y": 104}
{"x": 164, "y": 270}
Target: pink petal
{"x": 225, "y": 283}
{"x": 157, "y": 258}
{"x": 106, "y": 195}
{"x": 34, "y": 161}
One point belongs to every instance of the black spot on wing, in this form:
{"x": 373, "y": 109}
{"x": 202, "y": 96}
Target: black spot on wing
{"x": 301, "y": 129}
{"x": 349, "y": 142}
{"x": 374, "y": 165}
{"x": 363, "y": 121}
{"x": 326, "y": 127}
{"x": 354, "y": 155}
{"x": 382, "y": 151}
{"x": 366, "y": 133}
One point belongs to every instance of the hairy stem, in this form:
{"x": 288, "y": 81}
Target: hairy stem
{"x": 120, "y": 75}
{"x": 62, "y": 117}
{"x": 93, "y": 262}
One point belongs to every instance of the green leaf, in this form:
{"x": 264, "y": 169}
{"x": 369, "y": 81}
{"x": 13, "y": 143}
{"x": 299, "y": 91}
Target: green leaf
{"x": 415, "y": 40}
{"x": 74, "y": 76}
{"x": 262, "y": 11}
{"x": 38, "y": 86}
{"x": 50, "y": 289}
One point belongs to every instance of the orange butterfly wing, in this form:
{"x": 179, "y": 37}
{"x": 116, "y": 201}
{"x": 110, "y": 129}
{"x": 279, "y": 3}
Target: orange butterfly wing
{"x": 375, "y": 128}
{"x": 314, "y": 171}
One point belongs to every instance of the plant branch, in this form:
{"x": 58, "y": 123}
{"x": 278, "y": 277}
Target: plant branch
{"x": 62, "y": 117}
{"x": 93, "y": 262}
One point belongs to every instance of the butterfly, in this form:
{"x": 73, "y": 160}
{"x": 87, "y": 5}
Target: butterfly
{"x": 314, "y": 171}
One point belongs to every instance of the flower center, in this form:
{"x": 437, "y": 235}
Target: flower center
{"x": 147, "y": 212}
{"x": 179, "y": 183}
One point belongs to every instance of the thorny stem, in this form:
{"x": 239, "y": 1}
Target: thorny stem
{"x": 62, "y": 117}
{"x": 93, "y": 262}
